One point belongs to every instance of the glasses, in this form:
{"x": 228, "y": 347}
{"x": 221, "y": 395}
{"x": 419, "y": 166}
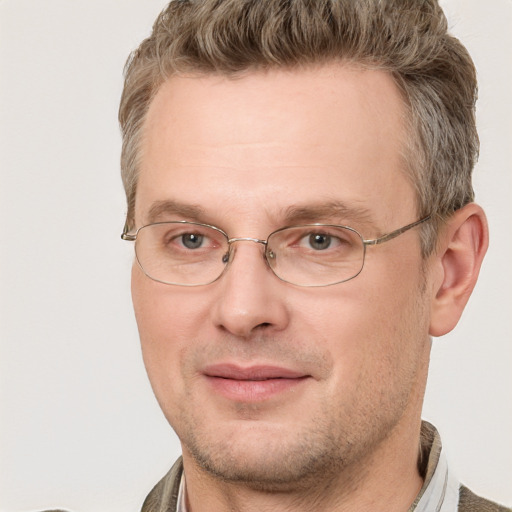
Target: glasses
{"x": 193, "y": 254}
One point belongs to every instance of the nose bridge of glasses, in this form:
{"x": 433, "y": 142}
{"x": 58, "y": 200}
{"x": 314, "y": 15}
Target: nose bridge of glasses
{"x": 255, "y": 240}
{"x": 230, "y": 254}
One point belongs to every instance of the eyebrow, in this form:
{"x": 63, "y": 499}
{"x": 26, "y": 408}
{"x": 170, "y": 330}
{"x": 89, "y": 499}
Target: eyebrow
{"x": 167, "y": 208}
{"x": 338, "y": 212}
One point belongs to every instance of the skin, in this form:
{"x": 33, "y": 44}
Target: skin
{"x": 345, "y": 435}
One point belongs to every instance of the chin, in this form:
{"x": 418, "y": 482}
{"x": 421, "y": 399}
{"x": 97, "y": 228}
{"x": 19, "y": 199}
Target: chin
{"x": 264, "y": 457}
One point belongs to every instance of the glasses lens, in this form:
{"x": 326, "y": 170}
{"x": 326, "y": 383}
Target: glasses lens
{"x": 316, "y": 255}
{"x": 182, "y": 253}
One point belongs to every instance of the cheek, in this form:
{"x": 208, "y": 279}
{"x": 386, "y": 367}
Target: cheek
{"x": 375, "y": 327}
{"x": 168, "y": 320}
{"x": 397, "y": 325}
{"x": 164, "y": 312}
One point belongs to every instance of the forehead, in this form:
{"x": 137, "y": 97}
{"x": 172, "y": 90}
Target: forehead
{"x": 273, "y": 140}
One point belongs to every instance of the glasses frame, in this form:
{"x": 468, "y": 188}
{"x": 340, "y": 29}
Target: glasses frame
{"x": 132, "y": 237}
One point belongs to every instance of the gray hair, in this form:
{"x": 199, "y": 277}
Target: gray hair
{"x": 406, "y": 38}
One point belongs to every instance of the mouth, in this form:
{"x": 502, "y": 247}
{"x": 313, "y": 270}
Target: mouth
{"x": 252, "y": 384}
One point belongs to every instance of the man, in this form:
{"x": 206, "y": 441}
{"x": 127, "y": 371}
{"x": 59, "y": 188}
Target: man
{"x": 298, "y": 176}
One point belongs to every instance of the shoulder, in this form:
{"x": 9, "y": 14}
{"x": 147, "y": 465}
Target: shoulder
{"x": 470, "y": 502}
{"x": 164, "y": 496}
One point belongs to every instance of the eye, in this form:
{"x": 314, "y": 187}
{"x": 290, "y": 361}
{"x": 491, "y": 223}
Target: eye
{"x": 319, "y": 241}
{"x": 192, "y": 240}
{"x": 330, "y": 240}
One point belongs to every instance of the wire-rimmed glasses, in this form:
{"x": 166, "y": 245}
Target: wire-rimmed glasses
{"x": 187, "y": 253}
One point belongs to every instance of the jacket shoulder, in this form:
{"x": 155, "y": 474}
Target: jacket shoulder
{"x": 470, "y": 502}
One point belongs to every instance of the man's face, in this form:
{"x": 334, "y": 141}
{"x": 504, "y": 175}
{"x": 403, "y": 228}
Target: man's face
{"x": 264, "y": 381}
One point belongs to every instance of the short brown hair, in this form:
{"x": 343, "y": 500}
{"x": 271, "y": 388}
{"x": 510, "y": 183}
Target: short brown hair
{"x": 407, "y": 38}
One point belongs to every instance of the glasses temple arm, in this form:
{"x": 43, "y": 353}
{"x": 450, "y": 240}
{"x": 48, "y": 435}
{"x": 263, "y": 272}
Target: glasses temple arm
{"x": 396, "y": 233}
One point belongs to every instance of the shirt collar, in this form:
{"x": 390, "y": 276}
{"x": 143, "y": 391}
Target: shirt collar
{"x": 181, "y": 505}
{"x": 440, "y": 490}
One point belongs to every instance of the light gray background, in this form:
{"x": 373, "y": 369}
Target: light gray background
{"x": 79, "y": 425}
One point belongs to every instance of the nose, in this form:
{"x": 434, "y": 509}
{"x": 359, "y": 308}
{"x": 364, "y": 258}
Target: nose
{"x": 251, "y": 298}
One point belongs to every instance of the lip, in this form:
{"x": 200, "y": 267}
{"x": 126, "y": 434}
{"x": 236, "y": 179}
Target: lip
{"x": 254, "y": 383}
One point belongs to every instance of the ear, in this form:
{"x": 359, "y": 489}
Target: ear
{"x": 461, "y": 248}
